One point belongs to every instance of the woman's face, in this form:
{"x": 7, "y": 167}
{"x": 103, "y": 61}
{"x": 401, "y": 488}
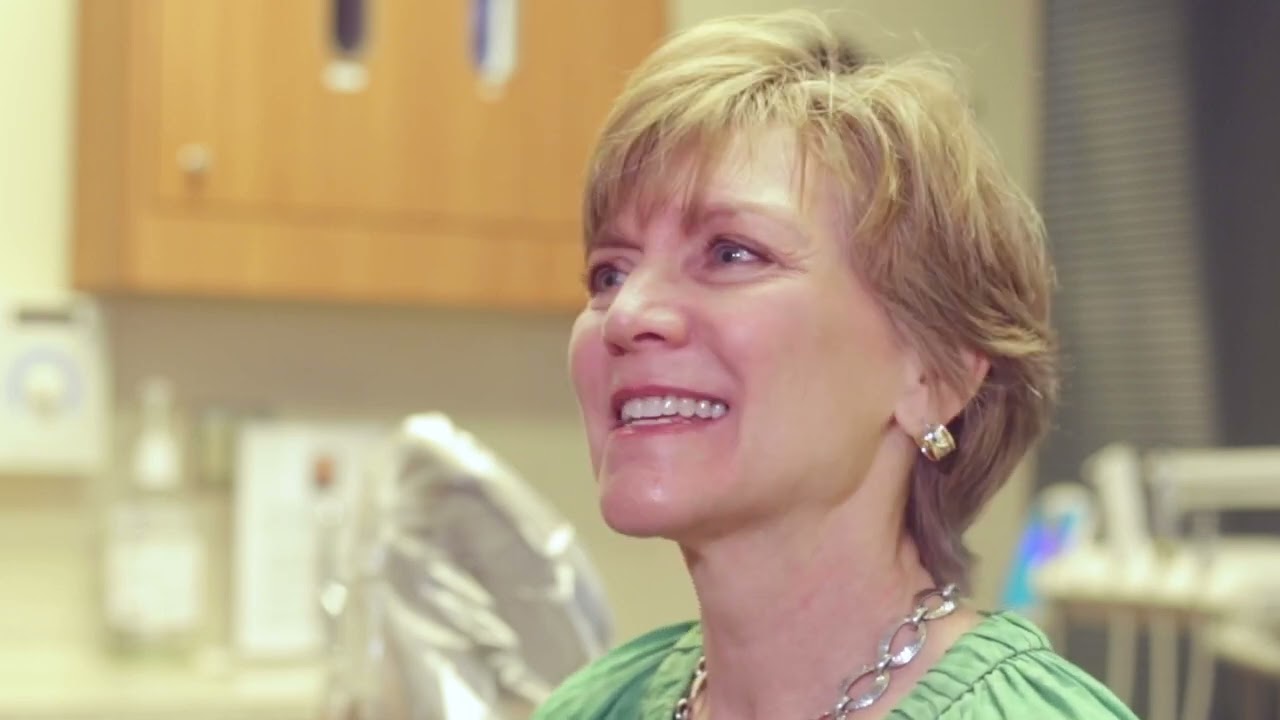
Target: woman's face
{"x": 730, "y": 365}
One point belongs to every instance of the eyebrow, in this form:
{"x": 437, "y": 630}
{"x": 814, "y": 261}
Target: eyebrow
{"x": 704, "y": 213}
{"x": 717, "y": 210}
{"x": 609, "y": 238}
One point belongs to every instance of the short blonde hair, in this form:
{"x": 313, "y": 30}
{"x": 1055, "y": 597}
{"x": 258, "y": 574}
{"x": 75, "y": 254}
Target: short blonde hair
{"x": 948, "y": 243}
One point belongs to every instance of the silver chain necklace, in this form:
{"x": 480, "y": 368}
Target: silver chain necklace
{"x": 877, "y": 673}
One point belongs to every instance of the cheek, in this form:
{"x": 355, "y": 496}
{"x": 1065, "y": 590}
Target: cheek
{"x": 785, "y": 358}
{"x": 828, "y": 353}
{"x": 866, "y": 355}
{"x": 587, "y": 356}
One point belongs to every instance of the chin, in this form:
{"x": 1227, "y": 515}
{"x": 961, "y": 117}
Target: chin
{"x": 641, "y": 506}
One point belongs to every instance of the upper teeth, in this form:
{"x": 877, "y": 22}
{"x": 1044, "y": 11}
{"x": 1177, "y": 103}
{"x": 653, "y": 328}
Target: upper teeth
{"x": 670, "y": 405}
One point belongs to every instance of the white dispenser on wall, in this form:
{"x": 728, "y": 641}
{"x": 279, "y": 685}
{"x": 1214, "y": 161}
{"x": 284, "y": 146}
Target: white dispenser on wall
{"x": 154, "y": 550}
{"x": 53, "y": 394}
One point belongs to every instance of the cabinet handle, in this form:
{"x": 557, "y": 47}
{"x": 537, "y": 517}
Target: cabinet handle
{"x": 194, "y": 159}
{"x": 350, "y": 25}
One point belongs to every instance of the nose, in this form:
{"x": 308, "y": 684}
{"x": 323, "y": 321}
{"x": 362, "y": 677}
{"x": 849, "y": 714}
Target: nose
{"x": 646, "y": 312}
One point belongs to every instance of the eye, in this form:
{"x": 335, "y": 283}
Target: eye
{"x": 728, "y": 252}
{"x": 603, "y": 278}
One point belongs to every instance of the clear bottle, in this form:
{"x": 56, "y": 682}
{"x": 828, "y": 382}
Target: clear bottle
{"x": 154, "y": 552}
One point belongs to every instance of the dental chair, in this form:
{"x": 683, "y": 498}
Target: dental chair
{"x": 457, "y": 593}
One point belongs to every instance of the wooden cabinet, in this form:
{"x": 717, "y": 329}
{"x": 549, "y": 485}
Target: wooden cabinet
{"x": 230, "y": 148}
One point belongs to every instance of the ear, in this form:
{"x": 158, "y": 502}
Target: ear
{"x": 928, "y": 399}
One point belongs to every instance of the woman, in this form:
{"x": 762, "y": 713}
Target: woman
{"x": 816, "y": 343}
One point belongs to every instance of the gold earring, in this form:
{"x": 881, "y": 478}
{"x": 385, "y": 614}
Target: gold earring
{"x": 937, "y": 443}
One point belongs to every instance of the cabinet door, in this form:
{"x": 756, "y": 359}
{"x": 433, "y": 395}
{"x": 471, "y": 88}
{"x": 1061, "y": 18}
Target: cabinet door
{"x": 256, "y": 116}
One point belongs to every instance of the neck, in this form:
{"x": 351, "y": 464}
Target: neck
{"x": 790, "y": 609}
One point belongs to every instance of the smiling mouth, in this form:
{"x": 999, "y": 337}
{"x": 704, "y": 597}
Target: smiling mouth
{"x": 669, "y": 409}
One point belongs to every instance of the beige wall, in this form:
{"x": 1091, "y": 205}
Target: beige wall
{"x": 36, "y": 65}
{"x": 501, "y": 376}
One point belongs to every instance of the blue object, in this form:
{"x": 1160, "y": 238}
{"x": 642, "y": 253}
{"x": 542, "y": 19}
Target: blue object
{"x": 1047, "y": 534}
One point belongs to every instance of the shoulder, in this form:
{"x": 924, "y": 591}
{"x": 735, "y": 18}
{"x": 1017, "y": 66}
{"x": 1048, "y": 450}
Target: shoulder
{"x": 1006, "y": 668}
{"x": 617, "y": 680}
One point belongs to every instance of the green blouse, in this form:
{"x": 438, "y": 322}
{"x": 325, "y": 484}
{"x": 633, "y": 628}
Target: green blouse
{"x": 1003, "y": 668}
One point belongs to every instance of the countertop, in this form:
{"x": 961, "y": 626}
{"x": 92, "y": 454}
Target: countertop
{"x": 72, "y": 685}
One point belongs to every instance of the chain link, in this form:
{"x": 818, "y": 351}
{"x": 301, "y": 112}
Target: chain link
{"x": 877, "y": 675}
